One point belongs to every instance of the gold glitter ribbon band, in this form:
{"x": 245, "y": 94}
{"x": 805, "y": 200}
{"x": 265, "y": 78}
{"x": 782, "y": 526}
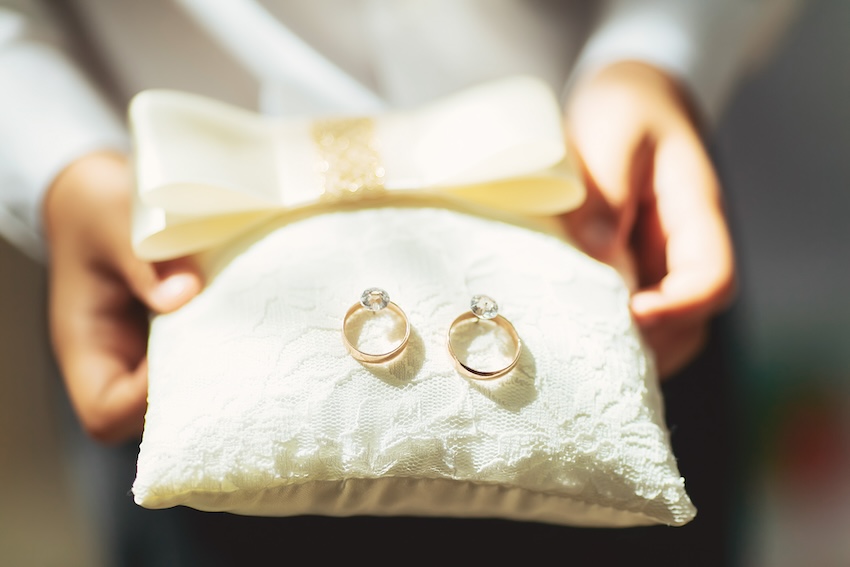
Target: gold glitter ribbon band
{"x": 349, "y": 162}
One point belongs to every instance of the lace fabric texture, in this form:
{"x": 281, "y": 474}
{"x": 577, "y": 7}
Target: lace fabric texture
{"x": 252, "y": 392}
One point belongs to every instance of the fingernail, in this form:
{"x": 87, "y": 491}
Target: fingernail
{"x": 642, "y": 307}
{"x": 173, "y": 289}
{"x": 643, "y": 304}
{"x": 598, "y": 235}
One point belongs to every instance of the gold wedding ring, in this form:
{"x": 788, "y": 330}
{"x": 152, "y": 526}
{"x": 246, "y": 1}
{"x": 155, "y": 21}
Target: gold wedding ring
{"x": 484, "y": 308}
{"x": 375, "y": 299}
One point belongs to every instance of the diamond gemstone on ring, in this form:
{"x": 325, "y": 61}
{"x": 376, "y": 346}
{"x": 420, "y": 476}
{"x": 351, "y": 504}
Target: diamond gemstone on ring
{"x": 374, "y": 299}
{"x": 484, "y": 307}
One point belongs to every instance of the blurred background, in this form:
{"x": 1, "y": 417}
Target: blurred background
{"x": 783, "y": 150}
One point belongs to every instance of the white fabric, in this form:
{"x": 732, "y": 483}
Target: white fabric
{"x": 207, "y": 170}
{"x": 407, "y": 52}
{"x": 705, "y": 44}
{"x": 256, "y": 407}
{"x": 40, "y": 132}
{"x": 275, "y": 55}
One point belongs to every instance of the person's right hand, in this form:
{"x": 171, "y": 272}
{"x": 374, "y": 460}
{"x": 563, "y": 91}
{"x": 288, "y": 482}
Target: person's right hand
{"x": 101, "y": 295}
{"x": 654, "y": 197}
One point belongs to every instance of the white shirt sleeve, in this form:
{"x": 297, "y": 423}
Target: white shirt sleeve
{"x": 50, "y": 115}
{"x": 707, "y": 44}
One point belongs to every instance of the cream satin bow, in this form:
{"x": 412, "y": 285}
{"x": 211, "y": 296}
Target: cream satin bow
{"x": 207, "y": 172}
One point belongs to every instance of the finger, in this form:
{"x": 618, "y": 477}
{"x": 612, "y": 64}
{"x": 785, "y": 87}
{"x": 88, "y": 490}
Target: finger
{"x": 607, "y": 135}
{"x": 601, "y": 224}
{"x": 699, "y": 279}
{"x": 99, "y": 333}
{"x": 675, "y": 346}
{"x": 116, "y": 411}
{"x": 594, "y": 225}
{"x": 164, "y": 286}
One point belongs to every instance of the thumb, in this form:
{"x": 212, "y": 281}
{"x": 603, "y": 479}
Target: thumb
{"x": 164, "y": 286}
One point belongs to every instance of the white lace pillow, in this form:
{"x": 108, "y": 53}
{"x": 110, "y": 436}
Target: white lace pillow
{"x": 256, "y": 407}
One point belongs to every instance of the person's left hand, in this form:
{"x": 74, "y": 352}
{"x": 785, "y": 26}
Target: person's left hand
{"x": 653, "y": 195}
{"x": 102, "y": 294}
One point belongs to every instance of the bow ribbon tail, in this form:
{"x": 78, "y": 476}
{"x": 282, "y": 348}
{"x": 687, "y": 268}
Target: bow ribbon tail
{"x": 553, "y": 191}
{"x": 159, "y": 236}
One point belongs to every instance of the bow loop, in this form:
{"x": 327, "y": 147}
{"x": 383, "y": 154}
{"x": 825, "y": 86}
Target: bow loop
{"x": 207, "y": 171}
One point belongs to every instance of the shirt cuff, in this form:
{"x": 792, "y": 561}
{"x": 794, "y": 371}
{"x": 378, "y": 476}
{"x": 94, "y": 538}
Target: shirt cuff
{"x": 50, "y": 115}
{"x": 700, "y": 43}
